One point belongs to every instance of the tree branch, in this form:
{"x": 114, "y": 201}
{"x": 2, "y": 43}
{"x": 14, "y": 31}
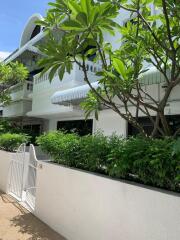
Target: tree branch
{"x": 168, "y": 25}
{"x": 145, "y": 22}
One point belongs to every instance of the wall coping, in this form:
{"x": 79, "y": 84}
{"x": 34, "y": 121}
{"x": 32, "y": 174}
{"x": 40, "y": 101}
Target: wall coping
{"x": 128, "y": 182}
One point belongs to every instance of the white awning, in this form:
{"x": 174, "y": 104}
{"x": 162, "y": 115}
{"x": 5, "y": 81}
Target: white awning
{"x": 73, "y": 94}
{"x": 153, "y": 76}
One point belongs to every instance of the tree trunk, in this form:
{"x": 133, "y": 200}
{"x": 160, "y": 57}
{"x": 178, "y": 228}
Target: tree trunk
{"x": 165, "y": 125}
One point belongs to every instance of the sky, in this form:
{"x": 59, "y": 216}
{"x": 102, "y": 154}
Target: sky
{"x": 13, "y": 17}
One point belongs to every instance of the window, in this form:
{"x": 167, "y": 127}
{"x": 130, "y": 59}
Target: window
{"x": 174, "y": 122}
{"x": 35, "y": 32}
{"x": 33, "y": 130}
{"x": 145, "y": 122}
{"x": 29, "y": 86}
{"x": 80, "y": 127}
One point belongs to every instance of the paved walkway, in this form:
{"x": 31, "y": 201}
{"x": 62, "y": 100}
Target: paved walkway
{"x": 16, "y": 223}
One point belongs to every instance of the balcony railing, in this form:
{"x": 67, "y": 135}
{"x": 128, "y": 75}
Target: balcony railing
{"x": 77, "y": 73}
{"x": 21, "y": 91}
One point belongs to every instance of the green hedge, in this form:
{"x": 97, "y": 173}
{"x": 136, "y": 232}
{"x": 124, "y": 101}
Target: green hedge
{"x": 8, "y": 126}
{"x": 11, "y": 141}
{"x": 154, "y": 162}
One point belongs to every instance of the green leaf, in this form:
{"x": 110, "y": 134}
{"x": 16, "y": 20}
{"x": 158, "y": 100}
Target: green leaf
{"x": 70, "y": 25}
{"x": 86, "y": 6}
{"x": 52, "y": 72}
{"x": 91, "y": 51}
{"x": 82, "y": 18}
{"x": 75, "y": 7}
{"x": 110, "y": 74}
{"x": 119, "y": 67}
{"x": 61, "y": 72}
{"x": 176, "y": 147}
{"x": 68, "y": 67}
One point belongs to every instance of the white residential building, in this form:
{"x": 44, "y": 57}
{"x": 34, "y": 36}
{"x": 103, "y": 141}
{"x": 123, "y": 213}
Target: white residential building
{"x": 45, "y": 106}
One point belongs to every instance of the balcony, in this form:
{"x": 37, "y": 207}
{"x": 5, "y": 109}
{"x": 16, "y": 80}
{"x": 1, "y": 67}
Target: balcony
{"x": 21, "y": 100}
{"x": 43, "y": 89}
{"x": 21, "y": 91}
{"x": 75, "y": 78}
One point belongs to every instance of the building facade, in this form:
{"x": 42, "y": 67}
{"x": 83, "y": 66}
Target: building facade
{"x": 41, "y": 106}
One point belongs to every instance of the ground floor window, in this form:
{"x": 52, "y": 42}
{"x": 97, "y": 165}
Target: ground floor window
{"x": 80, "y": 127}
{"x": 174, "y": 122}
{"x": 32, "y": 130}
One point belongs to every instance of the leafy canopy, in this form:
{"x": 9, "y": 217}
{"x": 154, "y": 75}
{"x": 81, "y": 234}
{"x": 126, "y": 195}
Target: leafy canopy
{"x": 10, "y": 75}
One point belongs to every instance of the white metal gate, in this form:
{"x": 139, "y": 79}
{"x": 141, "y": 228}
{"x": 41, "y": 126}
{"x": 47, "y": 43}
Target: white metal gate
{"x": 16, "y": 179}
{"x": 31, "y": 178}
{"x": 22, "y": 175}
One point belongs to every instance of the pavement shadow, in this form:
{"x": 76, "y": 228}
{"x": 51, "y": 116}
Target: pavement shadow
{"x": 29, "y": 224}
{"x": 10, "y": 200}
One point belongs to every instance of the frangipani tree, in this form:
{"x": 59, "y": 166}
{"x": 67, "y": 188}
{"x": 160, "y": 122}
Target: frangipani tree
{"x": 10, "y": 75}
{"x": 74, "y": 25}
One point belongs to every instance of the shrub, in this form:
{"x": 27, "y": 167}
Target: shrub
{"x": 92, "y": 153}
{"x": 11, "y": 141}
{"x": 150, "y": 161}
{"x": 8, "y": 126}
{"x": 158, "y": 164}
{"x": 88, "y": 152}
{"x": 155, "y": 162}
{"x": 4, "y": 126}
{"x": 60, "y": 146}
{"x": 122, "y": 154}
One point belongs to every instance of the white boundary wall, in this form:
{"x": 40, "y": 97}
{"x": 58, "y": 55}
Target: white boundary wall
{"x": 84, "y": 206}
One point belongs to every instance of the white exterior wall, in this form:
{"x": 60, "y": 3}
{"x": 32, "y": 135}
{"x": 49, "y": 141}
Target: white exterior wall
{"x": 84, "y": 206}
{"x": 15, "y": 109}
{"x": 42, "y": 106}
{"x": 43, "y": 90}
{"x": 52, "y": 125}
{"x": 110, "y": 122}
